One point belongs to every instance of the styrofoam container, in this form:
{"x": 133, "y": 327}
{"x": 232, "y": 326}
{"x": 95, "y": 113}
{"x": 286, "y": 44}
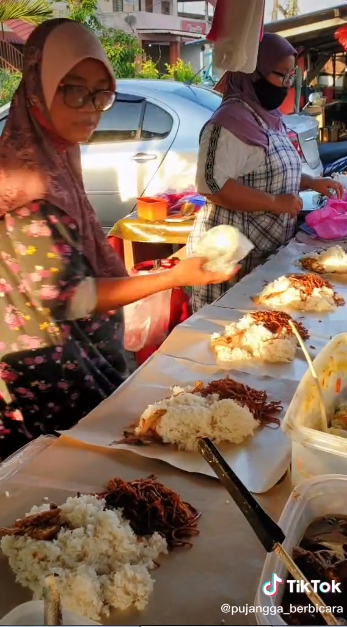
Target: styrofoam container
{"x": 31, "y": 613}
{"x": 313, "y": 451}
{"x": 319, "y": 496}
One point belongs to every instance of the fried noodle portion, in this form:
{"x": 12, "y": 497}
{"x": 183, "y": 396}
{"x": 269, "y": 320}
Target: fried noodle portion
{"x": 255, "y": 400}
{"x": 151, "y": 507}
{"x": 276, "y": 321}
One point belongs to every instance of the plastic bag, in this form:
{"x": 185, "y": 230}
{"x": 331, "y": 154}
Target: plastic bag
{"x": 147, "y": 321}
{"x": 237, "y": 28}
{"x": 194, "y": 199}
{"x": 330, "y": 222}
{"x": 224, "y": 246}
{"x": 336, "y": 167}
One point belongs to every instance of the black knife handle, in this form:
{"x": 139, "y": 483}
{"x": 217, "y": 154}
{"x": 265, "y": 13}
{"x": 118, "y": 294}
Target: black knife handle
{"x": 267, "y": 531}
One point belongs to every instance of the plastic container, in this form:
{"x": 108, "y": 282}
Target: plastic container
{"x": 320, "y": 496}
{"x": 18, "y": 460}
{"x": 152, "y": 209}
{"x": 31, "y": 613}
{"x": 313, "y": 451}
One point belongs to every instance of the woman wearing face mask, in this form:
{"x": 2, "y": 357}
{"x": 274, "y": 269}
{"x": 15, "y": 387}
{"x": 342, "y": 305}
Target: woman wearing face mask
{"x": 248, "y": 169}
{"x": 62, "y": 287}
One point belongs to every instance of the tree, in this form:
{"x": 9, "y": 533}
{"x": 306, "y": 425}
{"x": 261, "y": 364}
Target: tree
{"x": 288, "y": 9}
{"x": 122, "y": 50}
{"x": 31, "y": 11}
{"x": 84, "y": 12}
{"x": 9, "y": 82}
{"x": 182, "y": 72}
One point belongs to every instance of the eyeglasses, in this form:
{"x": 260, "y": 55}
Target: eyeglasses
{"x": 77, "y": 96}
{"x": 287, "y": 79}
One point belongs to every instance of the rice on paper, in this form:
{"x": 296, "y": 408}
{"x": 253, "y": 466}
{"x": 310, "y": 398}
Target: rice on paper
{"x": 304, "y": 292}
{"x": 100, "y": 562}
{"x": 188, "y": 416}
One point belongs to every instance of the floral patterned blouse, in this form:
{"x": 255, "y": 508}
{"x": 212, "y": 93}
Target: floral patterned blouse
{"x": 53, "y": 370}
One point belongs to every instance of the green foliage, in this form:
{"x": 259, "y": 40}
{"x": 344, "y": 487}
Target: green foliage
{"x": 31, "y": 11}
{"x": 182, "y": 72}
{"x": 122, "y": 50}
{"x": 9, "y": 82}
{"x": 148, "y": 70}
{"x": 84, "y": 12}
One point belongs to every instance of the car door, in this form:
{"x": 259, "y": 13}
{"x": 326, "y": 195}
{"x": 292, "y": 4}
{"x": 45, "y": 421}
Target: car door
{"x": 124, "y": 154}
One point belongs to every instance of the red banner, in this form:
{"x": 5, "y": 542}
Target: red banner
{"x": 198, "y": 28}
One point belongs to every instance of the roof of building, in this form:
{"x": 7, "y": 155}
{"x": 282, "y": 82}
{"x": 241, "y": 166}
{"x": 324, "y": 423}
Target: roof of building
{"x": 10, "y": 37}
{"x": 312, "y": 29}
{"x": 20, "y": 29}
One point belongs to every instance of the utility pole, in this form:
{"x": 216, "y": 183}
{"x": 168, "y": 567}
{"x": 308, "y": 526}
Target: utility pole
{"x": 275, "y": 10}
{"x": 289, "y": 9}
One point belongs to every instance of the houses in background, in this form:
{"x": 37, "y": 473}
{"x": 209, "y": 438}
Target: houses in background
{"x": 163, "y": 27}
{"x": 13, "y": 36}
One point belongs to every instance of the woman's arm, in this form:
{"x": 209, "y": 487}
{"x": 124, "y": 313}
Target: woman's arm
{"x": 324, "y": 186}
{"x": 238, "y": 197}
{"x": 307, "y": 182}
{"x": 57, "y": 279}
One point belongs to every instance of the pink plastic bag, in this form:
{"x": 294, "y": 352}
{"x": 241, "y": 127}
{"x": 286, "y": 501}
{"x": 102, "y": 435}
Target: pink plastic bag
{"x": 330, "y": 222}
{"x": 146, "y": 321}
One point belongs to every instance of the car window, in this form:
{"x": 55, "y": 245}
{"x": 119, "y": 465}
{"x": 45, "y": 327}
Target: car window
{"x": 207, "y": 98}
{"x": 157, "y": 123}
{"x": 122, "y": 122}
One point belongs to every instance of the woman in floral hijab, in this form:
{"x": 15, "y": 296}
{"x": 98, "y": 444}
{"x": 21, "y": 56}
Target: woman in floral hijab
{"x": 62, "y": 288}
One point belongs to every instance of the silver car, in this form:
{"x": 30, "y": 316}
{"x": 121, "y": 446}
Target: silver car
{"x": 147, "y": 144}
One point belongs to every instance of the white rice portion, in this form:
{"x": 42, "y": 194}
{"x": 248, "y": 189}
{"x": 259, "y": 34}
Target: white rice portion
{"x": 101, "y": 563}
{"x": 189, "y": 416}
{"x": 284, "y": 295}
{"x": 333, "y": 259}
{"x": 254, "y": 342}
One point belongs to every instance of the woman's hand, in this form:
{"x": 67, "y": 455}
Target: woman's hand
{"x": 327, "y": 187}
{"x": 190, "y": 272}
{"x": 287, "y": 203}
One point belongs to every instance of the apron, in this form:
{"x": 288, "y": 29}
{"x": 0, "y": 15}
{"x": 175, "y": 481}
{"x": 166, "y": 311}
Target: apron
{"x": 279, "y": 173}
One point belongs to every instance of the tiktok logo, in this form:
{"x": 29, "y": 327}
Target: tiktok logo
{"x": 270, "y": 588}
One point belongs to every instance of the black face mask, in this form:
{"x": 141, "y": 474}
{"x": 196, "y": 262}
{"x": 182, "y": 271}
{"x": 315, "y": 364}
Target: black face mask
{"x": 270, "y": 96}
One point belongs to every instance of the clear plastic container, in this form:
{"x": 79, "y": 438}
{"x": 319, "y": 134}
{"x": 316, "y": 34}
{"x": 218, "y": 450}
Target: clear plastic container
{"x": 31, "y": 613}
{"x": 319, "y": 496}
{"x": 24, "y": 455}
{"x": 315, "y": 452}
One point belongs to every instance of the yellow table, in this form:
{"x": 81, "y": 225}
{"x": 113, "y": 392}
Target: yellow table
{"x": 132, "y": 229}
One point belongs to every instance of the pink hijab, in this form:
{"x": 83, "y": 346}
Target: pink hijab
{"x": 233, "y": 114}
{"x": 35, "y": 164}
